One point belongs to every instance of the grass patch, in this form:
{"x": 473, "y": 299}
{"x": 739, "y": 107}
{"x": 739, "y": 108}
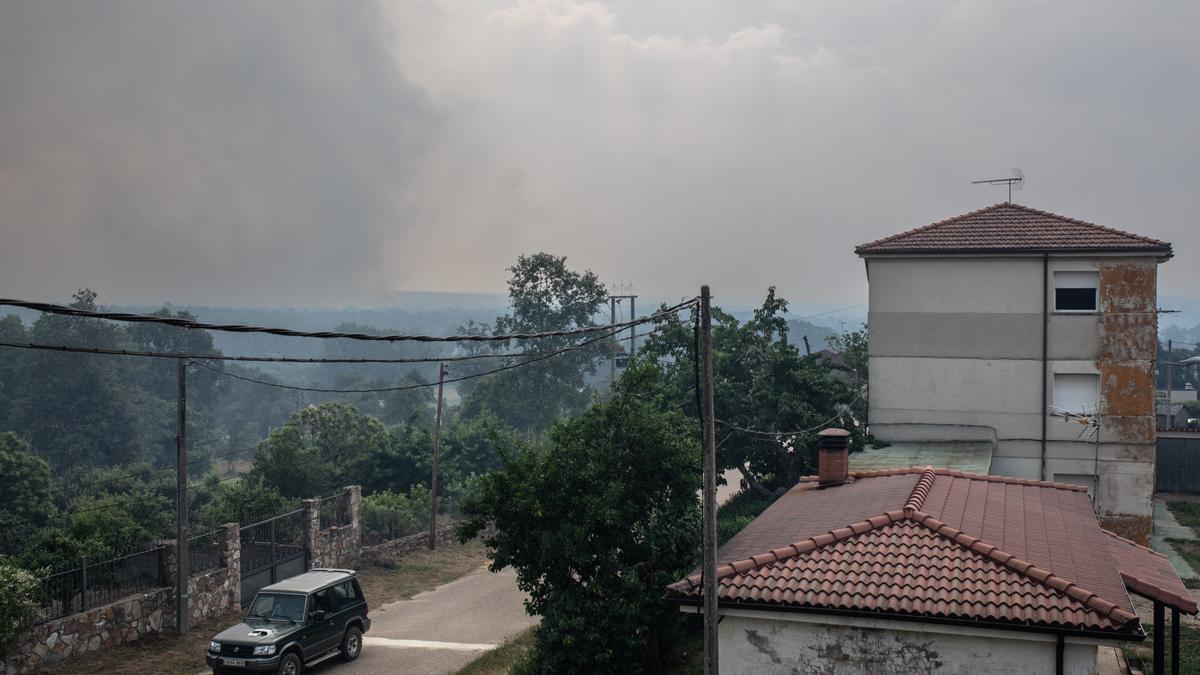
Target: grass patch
{"x": 1189, "y": 647}
{"x": 162, "y": 653}
{"x": 738, "y": 512}
{"x": 386, "y": 578}
{"x": 1186, "y": 512}
{"x": 504, "y": 658}
{"x": 1188, "y": 549}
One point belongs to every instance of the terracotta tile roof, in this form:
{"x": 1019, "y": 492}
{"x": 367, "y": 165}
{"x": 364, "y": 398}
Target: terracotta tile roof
{"x": 1012, "y": 228}
{"x": 945, "y": 544}
{"x": 1148, "y": 573}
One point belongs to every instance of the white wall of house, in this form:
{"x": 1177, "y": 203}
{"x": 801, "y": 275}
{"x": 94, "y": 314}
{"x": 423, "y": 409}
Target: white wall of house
{"x": 958, "y": 341}
{"x": 758, "y": 642}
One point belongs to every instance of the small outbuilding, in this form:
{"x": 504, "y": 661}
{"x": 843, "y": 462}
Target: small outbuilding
{"x": 933, "y": 571}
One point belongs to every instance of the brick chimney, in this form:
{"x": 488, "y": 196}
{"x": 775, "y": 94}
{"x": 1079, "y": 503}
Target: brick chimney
{"x": 833, "y": 457}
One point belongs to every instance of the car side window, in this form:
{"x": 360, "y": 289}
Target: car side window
{"x": 341, "y": 596}
{"x": 320, "y": 602}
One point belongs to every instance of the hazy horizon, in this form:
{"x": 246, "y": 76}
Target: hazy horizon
{"x": 302, "y": 153}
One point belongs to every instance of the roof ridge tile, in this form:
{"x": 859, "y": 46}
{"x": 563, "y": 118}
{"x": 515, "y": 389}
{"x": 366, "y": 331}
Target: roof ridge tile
{"x": 941, "y": 471}
{"x": 1030, "y": 571}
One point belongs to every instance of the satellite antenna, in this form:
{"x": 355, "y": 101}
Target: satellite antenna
{"x": 1018, "y": 179}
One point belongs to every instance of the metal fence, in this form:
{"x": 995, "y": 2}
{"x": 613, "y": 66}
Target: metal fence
{"x": 335, "y": 510}
{"x": 97, "y": 583}
{"x": 267, "y": 542}
{"x": 204, "y": 552}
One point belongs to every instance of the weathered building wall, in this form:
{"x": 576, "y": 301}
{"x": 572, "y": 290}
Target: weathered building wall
{"x": 957, "y": 343}
{"x": 756, "y": 643}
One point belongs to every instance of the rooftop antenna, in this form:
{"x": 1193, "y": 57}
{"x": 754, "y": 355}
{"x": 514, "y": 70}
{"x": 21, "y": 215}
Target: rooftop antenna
{"x": 1018, "y": 179}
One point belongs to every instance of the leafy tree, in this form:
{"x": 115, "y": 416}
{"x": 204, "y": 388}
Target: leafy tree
{"x": 596, "y": 523}
{"x": 545, "y": 296}
{"x": 762, "y": 382}
{"x": 17, "y": 589}
{"x": 24, "y": 491}
{"x": 240, "y": 501}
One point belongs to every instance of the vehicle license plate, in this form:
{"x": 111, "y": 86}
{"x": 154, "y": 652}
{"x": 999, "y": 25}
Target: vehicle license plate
{"x": 235, "y": 663}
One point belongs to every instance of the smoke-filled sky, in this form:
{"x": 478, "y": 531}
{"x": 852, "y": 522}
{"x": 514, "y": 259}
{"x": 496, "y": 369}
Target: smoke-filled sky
{"x": 328, "y": 153}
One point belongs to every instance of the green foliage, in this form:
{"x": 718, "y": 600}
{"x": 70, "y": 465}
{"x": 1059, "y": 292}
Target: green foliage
{"x": 240, "y": 501}
{"x": 741, "y": 509}
{"x": 545, "y": 295}
{"x": 596, "y": 522}
{"x": 762, "y": 382}
{"x": 24, "y": 491}
{"x": 317, "y": 451}
{"x": 17, "y": 589}
{"x": 387, "y": 515}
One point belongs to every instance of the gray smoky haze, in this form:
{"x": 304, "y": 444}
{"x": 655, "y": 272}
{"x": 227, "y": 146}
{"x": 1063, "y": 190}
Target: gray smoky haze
{"x": 331, "y": 153}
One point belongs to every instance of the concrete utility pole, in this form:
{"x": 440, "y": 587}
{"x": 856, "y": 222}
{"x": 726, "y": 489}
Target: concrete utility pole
{"x": 1170, "y": 374}
{"x": 708, "y": 415}
{"x": 181, "y": 506}
{"x": 437, "y": 446}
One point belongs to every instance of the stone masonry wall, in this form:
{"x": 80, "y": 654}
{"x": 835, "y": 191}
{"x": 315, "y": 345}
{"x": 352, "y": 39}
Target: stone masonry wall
{"x": 413, "y": 542}
{"x": 210, "y": 593}
{"x": 134, "y": 617}
{"x": 337, "y": 546}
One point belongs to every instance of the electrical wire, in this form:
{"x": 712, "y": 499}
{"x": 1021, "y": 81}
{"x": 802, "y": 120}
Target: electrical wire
{"x": 178, "y": 322}
{"x": 541, "y": 357}
{"x": 257, "y": 359}
{"x": 832, "y": 311}
{"x": 843, "y": 409}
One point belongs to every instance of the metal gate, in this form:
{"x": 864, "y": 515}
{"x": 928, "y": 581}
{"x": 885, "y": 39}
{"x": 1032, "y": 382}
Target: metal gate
{"x": 1178, "y": 462}
{"x": 272, "y": 550}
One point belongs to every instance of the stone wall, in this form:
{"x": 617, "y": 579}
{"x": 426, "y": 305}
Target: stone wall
{"x": 413, "y": 542}
{"x": 121, "y": 622}
{"x": 133, "y": 617}
{"x": 210, "y": 593}
{"x": 339, "y": 545}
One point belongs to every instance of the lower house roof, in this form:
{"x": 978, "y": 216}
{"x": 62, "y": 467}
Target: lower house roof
{"x": 940, "y": 544}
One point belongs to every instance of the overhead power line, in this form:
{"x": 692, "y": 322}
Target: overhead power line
{"x": 843, "y": 410}
{"x": 288, "y": 332}
{"x": 423, "y": 385}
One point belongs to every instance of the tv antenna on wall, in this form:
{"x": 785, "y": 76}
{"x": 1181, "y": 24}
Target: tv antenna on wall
{"x": 1018, "y": 179}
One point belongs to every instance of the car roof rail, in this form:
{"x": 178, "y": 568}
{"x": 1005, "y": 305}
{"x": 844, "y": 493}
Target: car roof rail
{"x": 332, "y": 569}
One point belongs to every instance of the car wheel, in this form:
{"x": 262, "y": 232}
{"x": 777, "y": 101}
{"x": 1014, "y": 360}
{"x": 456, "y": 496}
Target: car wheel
{"x": 290, "y": 664}
{"x": 351, "y": 643}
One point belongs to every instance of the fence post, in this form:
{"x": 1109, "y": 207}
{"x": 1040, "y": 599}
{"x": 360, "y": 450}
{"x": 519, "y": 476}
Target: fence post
{"x": 231, "y": 555}
{"x": 83, "y": 598}
{"x": 354, "y": 494}
{"x": 312, "y": 532}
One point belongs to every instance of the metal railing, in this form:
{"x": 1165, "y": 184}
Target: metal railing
{"x": 268, "y": 541}
{"x": 95, "y": 583}
{"x": 204, "y": 552}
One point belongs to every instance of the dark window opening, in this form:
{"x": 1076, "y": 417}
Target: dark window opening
{"x": 1075, "y": 299}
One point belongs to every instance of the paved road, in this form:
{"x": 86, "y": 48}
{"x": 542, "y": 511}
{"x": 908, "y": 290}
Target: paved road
{"x": 439, "y": 631}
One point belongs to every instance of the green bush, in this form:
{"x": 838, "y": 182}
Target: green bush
{"x": 387, "y": 515}
{"x": 17, "y": 588}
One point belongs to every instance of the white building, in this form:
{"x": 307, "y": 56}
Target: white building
{"x": 1032, "y": 331}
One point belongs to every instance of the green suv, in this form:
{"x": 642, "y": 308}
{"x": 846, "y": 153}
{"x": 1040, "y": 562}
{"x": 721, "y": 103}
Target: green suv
{"x": 295, "y": 623}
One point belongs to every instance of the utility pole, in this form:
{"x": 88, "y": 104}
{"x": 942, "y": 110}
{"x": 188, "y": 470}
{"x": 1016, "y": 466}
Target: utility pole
{"x": 1170, "y": 373}
{"x": 612, "y": 318}
{"x": 612, "y": 362}
{"x": 708, "y": 415}
{"x": 437, "y": 446}
{"x": 632, "y": 329}
{"x": 181, "y": 506}
{"x": 807, "y": 349}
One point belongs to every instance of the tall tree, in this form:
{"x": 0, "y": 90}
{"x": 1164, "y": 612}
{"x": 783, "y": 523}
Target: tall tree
{"x": 545, "y": 295}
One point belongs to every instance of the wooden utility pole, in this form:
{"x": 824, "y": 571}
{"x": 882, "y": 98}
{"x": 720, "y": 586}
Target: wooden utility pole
{"x": 807, "y": 348}
{"x": 708, "y": 415}
{"x": 437, "y": 446}
{"x": 632, "y": 329}
{"x": 181, "y": 506}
